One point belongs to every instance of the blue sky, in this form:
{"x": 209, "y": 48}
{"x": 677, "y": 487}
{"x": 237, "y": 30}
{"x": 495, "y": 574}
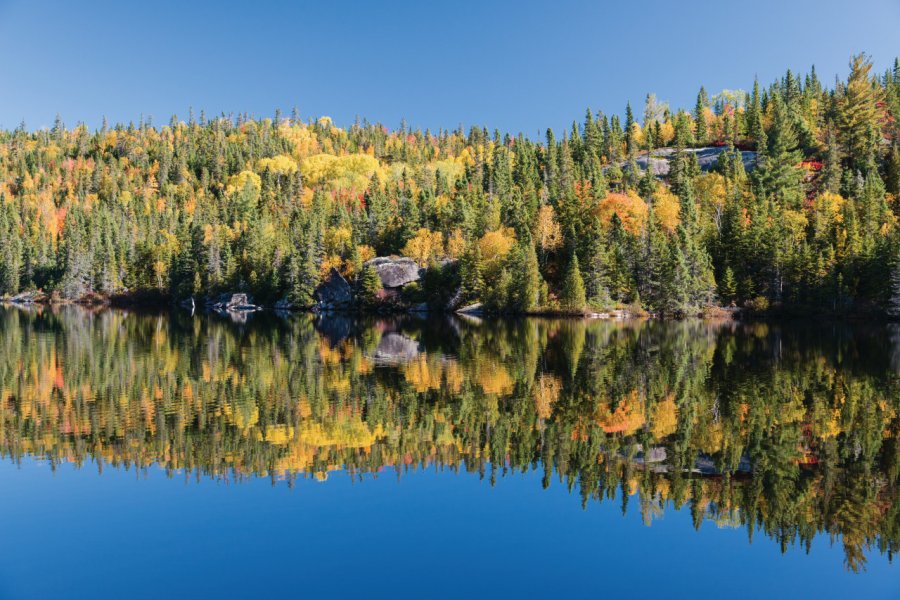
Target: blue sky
{"x": 516, "y": 66}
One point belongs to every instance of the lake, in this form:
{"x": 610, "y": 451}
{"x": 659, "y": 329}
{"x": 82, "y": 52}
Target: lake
{"x": 170, "y": 455}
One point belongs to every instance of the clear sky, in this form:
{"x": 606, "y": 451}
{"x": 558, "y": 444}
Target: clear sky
{"x": 517, "y": 65}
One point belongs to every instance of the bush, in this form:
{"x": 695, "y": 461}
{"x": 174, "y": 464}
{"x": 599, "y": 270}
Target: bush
{"x": 760, "y": 304}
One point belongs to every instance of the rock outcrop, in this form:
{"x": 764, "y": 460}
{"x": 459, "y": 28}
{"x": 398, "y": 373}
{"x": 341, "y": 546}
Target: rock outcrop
{"x": 707, "y": 158}
{"x": 33, "y": 297}
{"x": 334, "y": 293}
{"x": 395, "y": 272}
{"x": 472, "y": 309}
{"x": 233, "y": 303}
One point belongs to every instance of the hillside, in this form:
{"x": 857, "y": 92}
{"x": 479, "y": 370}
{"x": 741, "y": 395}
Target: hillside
{"x": 782, "y": 198}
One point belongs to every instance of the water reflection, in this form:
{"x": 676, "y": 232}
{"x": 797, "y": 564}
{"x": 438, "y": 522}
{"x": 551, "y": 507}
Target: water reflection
{"x": 789, "y": 430}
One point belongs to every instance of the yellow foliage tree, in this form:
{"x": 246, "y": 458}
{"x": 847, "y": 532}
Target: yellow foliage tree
{"x": 279, "y": 165}
{"x": 240, "y": 181}
{"x": 711, "y": 193}
{"x": 494, "y": 245}
{"x": 666, "y": 207}
{"x": 547, "y": 230}
{"x": 351, "y": 171}
{"x": 629, "y": 207}
{"x": 456, "y": 244}
{"x": 424, "y": 246}
{"x": 337, "y": 239}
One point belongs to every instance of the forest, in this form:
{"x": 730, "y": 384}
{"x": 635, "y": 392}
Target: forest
{"x": 798, "y": 213}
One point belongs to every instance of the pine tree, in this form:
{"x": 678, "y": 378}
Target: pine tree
{"x": 778, "y": 174}
{"x": 370, "y": 286}
{"x": 471, "y": 272}
{"x": 727, "y": 287}
{"x": 652, "y": 263}
{"x": 754, "y": 120}
{"x": 857, "y": 116}
{"x": 700, "y": 128}
{"x": 526, "y": 277}
{"x": 10, "y": 249}
{"x": 675, "y": 286}
{"x": 573, "y": 294}
{"x": 595, "y": 272}
{"x": 630, "y": 146}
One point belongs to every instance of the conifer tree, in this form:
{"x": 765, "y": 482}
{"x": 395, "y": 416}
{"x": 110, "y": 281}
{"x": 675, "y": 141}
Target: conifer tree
{"x": 370, "y": 286}
{"x": 10, "y": 250}
{"x": 700, "y": 127}
{"x": 857, "y": 115}
{"x": 527, "y": 280}
{"x": 572, "y": 296}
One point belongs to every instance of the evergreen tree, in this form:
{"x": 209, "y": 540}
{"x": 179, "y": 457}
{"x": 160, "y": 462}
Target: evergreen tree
{"x": 727, "y": 288}
{"x": 778, "y": 174}
{"x": 10, "y": 250}
{"x": 526, "y": 277}
{"x": 572, "y": 296}
{"x": 370, "y": 286}
{"x": 700, "y": 127}
{"x": 857, "y": 116}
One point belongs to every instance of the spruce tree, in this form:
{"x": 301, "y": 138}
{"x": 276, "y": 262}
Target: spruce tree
{"x": 526, "y": 278}
{"x": 727, "y": 288}
{"x": 10, "y": 249}
{"x": 370, "y": 286}
{"x": 857, "y": 116}
{"x": 573, "y": 295}
{"x": 700, "y": 127}
{"x": 630, "y": 145}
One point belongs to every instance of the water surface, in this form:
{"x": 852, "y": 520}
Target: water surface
{"x": 165, "y": 455}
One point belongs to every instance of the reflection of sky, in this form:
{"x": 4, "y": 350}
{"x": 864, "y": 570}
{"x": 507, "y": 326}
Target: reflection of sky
{"x": 79, "y": 534}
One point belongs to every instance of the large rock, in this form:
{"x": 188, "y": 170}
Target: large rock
{"x": 334, "y": 292}
{"x": 472, "y": 309}
{"x": 233, "y": 303}
{"x": 32, "y": 297}
{"x": 395, "y": 272}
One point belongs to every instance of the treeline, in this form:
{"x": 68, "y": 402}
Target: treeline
{"x": 794, "y": 432}
{"x": 270, "y": 206}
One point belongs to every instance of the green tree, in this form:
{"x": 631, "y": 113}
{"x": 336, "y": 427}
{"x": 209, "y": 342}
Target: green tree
{"x": 370, "y": 286}
{"x": 572, "y": 296}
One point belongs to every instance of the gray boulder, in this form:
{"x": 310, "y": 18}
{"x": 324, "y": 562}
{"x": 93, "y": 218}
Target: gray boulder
{"x": 233, "y": 303}
{"x": 334, "y": 292}
{"x": 32, "y": 297}
{"x": 395, "y": 272}
{"x": 472, "y": 309}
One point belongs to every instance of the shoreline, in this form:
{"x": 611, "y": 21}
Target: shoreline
{"x": 713, "y": 313}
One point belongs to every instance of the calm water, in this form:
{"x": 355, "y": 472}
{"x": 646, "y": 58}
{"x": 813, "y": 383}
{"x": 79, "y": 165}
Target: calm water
{"x": 168, "y": 456}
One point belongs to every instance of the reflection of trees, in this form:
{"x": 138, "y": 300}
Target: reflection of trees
{"x": 786, "y": 431}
